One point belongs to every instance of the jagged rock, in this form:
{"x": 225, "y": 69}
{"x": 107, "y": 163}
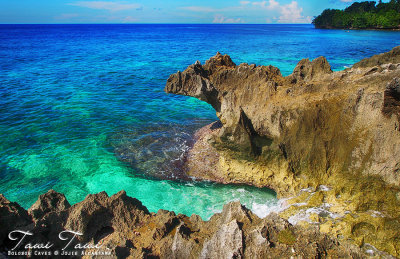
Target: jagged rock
{"x": 219, "y": 79}
{"x": 236, "y": 211}
{"x": 219, "y": 60}
{"x": 307, "y": 70}
{"x": 166, "y": 222}
{"x": 125, "y": 228}
{"x": 183, "y": 246}
{"x": 323, "y": 127}
{"x": 12, "y": 217}
{"x": 99, "y": 215}
{"x": 392, "y": 56}
{"x": 314, "y": 127}
{"x": 227, "y": 243}
{"x": 308, "y": 122}
{"x": 51, "y": 201}
{"x": 391, "y": 99}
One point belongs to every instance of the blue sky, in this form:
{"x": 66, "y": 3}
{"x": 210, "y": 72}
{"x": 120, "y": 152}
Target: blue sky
{"x": 158, "y": 11}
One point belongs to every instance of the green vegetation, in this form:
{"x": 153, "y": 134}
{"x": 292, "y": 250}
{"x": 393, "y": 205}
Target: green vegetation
{"x": 361, "y": 15}
{"x": 287, "y": 237}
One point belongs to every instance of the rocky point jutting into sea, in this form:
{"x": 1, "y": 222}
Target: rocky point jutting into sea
{"x": 327, "y": 142}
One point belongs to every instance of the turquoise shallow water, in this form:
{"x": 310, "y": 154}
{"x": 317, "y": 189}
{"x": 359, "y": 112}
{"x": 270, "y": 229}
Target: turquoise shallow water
{"x": 82, "y": 107}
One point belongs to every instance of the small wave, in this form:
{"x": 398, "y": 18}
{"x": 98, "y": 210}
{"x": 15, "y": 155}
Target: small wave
{"x": 263, "y": 210}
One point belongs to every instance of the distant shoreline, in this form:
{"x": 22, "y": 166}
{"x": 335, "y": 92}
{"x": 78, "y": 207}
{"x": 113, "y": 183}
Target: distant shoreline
{"x": 362, "y": 15}
{"x": 359, "y": 29}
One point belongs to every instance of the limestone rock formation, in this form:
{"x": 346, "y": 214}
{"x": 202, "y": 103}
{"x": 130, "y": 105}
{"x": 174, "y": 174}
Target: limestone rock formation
{"x": 391, "y": 99}
{"x": 122, "y": 227}
{"x": 312, "y": 128}
{"x": 11, "y": 216}
{"x": 391, "y": 57}
{"x": 307, "y": 70}
{"x": 51, "y": 201}
{"x": 227, "y": 242}
{"x": 327, "y": 141}
{"x": 314, "y": 121}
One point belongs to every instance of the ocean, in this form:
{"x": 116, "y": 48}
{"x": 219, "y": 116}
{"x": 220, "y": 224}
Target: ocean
{"x": 82, "y": 107}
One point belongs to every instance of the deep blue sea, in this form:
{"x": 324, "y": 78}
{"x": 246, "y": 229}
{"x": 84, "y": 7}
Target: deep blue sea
{"x": 82, "y": 107}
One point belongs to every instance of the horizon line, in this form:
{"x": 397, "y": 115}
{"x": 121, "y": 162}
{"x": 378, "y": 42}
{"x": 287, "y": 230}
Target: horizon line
{"x": 156, "y": 23}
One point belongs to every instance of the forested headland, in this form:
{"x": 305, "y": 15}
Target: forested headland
{"x": 361, "y": 15}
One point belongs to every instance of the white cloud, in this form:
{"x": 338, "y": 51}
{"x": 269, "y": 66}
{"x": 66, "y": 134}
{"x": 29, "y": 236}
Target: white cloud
{"x": 292, "y": 13}
{"x": 289, "y": 13}
{"x": 204, "y": 9}
{"x": 270, "y": 5}
{"x": 273, "y": 4}
{"x": 262, "y": 3}
{"x": 110, "y": 6}
{"x": 222, "y": 19}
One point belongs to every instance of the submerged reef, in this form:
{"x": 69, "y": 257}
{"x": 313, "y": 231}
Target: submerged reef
{"x": 328, "y": 142}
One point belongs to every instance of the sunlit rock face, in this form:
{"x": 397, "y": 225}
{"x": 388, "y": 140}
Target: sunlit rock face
{"x": 316, "y": 121}
{"x": 312, "y": 128}
{"x": 122, "y": 227}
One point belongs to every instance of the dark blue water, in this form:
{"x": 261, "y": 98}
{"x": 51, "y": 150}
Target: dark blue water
{"x": 82, "y": 107}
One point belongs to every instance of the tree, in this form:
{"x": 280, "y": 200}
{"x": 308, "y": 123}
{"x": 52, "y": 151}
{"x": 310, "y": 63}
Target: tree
{"x": 361, "y": 15}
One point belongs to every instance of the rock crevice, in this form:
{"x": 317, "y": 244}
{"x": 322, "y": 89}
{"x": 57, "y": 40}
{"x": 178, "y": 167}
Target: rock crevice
{"x": 312, "y": 128}
{"x": 316, "y": 121}
{"x": 124, "y": 228}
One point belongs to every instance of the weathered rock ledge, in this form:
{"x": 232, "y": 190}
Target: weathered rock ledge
{"x": 329, "y": 141}
{"x": 123, "y": 227}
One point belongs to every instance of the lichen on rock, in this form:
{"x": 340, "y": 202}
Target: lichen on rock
{"x": 125, "y": 228}
{"x": 314, "y": 127}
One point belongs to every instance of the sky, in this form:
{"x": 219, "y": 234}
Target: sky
{"x": 164, "y": 11}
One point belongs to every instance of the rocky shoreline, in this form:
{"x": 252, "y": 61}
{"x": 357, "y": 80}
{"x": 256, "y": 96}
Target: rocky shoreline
{"x": 328, "y": 142}
{"x": 120, "y": 227}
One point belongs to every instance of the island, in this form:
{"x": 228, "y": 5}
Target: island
{"x": 361, "y": 15}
